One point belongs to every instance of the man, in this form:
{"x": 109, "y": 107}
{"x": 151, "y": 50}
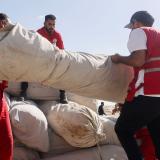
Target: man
{"x": 49, "y": 32}
{"x": 6, "y": 138}
{"x": 101, "y": 109}
{"x": 142, "y": 106}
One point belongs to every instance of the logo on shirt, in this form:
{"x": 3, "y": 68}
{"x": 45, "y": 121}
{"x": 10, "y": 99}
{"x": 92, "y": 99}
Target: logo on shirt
{"x": 54, "y": 41}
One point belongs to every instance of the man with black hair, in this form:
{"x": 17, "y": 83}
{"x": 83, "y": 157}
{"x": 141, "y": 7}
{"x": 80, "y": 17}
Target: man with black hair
{"x": 6, "y": 138}
{"x": 142, "y": 105}
{"x": 48, "y": 31}
{"x": 101, "y": 109}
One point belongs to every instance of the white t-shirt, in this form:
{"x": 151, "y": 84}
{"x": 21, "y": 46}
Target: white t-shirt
{"x": 138, "y": 41}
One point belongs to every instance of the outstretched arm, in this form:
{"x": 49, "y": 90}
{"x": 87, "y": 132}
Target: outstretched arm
{"x": 136, "y": 59}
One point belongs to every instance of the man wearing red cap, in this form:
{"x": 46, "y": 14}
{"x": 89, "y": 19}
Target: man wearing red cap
{"x": 6, "y": 138}
{"x": 142, "y": 106}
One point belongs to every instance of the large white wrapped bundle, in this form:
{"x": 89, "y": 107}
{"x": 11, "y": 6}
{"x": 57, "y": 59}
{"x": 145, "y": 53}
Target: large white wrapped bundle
{"x": 35, "y": 91}
{"x": 38, "y": 91}
{"x": 107, "y": 152}
{"x": 29, "y": 125}
{"x": 78, "y": 125}
{"x": 81, "y": 73}
{"x": 85, "y": 101}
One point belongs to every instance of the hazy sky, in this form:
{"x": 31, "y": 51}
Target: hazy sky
{"x": 94, "y": 26}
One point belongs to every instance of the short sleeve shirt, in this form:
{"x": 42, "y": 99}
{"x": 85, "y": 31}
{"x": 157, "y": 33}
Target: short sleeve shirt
{"x": 137, "y": 40}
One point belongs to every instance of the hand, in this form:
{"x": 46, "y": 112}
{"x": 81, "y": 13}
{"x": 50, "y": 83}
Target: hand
{"x": 117, "y": 108}
{"x": 3, "y": 24}
{"x": 115, "y": 58}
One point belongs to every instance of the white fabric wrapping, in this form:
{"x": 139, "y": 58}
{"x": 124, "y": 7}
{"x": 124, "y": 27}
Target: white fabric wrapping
{"x": 35, "y": 91}
{"x": 27, "y": 56}
{"x": 107, "y": 152}
{"x": 29, "y": 125}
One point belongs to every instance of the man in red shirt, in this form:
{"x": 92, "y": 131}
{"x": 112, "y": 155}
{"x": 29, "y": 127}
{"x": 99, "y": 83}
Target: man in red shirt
{"x": 6, "y": 138}
{"x": 48, "y": 31}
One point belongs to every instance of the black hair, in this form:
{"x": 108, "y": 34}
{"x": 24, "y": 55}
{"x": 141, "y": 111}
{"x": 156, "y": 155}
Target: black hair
{"x": 3, "y": 16}
{"x": 50, "y": 16}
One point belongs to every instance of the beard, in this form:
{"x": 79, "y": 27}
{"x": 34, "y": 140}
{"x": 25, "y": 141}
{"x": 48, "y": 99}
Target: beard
{"x": 49, "y": 30}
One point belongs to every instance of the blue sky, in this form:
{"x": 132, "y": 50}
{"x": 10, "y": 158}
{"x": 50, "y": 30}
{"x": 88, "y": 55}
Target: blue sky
{"x": 94, "y": 26}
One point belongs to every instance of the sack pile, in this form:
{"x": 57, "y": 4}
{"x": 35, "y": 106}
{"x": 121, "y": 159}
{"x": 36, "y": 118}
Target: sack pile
{"x": 47, "y": 130}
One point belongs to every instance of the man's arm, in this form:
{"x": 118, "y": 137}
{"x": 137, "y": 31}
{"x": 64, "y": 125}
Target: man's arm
{"x": 136, "y": 59}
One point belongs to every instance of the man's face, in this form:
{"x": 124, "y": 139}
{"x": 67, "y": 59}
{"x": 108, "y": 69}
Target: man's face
{"x": 136, "y": 24}
{"x": 49, "y": 25}
{"x": 3, "y": 24}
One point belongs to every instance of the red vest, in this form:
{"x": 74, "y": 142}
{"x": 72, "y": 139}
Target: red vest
{"x": 151, "y": 68}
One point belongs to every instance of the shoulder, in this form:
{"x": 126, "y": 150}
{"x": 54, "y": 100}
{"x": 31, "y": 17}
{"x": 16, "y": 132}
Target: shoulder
{"x": 40, "y": 30}
{"x": 137, "y": 40}
{"x": 57, "y": 33}
{"x": 137, "y": 32}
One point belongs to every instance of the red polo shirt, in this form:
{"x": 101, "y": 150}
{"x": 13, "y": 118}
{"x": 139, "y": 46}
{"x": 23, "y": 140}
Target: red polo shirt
{"x": 54, "y": 38}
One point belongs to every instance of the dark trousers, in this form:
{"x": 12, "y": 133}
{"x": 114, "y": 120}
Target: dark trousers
{"x": 142, "y": 111}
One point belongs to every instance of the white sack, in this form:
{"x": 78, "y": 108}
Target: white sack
{"x": 78, "y": 125}
{"x": 85, "y": 101}
{"x": 29, "y": 125}
{"x": 23, "y": 153}
{"x": 27, "y": 56}
{"x": 57, "y": 145}
{"x": 108, "y": 152}
{"x": 47, "y": 106}
{"x": 108, "y": 129}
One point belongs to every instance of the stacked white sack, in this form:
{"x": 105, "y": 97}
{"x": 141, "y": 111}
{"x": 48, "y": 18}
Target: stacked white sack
{"x": 23, "y": 153}
{"x": 81, "y": 73}
{"x": 29, "y": 125}
{"x": 77, "y": 124}
{"x": 107, "y": 152}
{"x": 58, "y": 145}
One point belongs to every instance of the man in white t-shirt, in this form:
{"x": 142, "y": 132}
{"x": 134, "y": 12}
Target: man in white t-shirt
{"x": 142, "y": 105}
